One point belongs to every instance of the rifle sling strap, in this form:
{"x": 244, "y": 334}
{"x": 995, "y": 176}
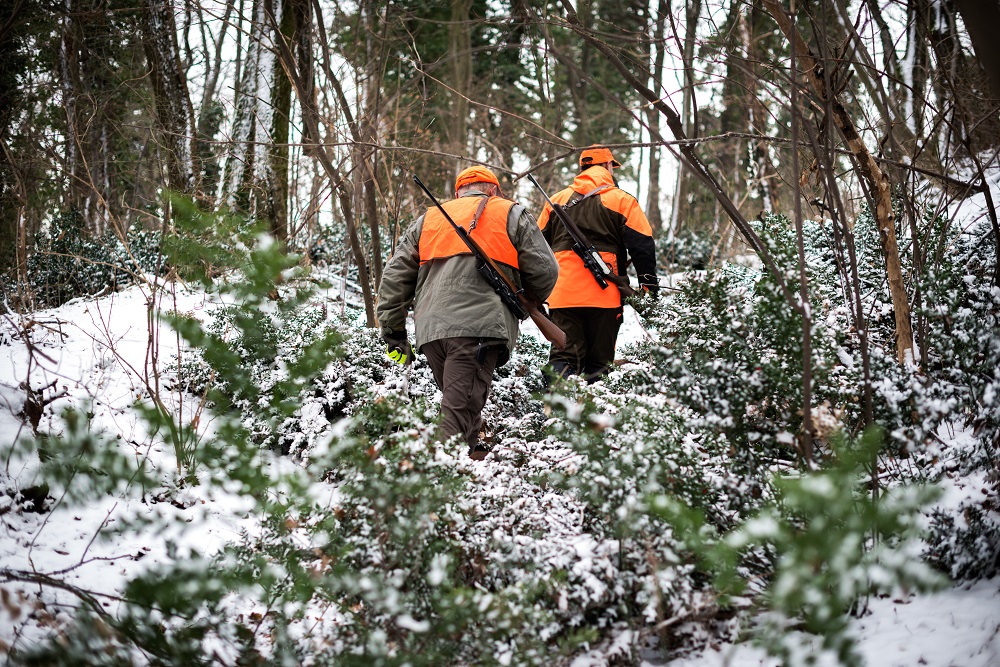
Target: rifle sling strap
{"x": 479, "y": 213}
{"x": 573, "y": 202}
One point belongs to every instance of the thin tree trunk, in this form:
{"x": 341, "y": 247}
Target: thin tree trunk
{"x": 369, "y": 132}
{"x": 361, "y": 133}
{"x": 689, "y": 114}
{"x": 175, "y": 115}
{"x": 460, "y": 52}
{"x": 981, "y": 20}
{"x": 303, "y": 85}
{"x": 653, "y": 117}
{"x": 69, "y": 80}
{"x": 294, "y": 17}
{"x": 877, "y": 181}
{"x": 806, "y": 436}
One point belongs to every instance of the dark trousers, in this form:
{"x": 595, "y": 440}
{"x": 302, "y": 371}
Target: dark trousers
{"x": 463, "y": 370}
{"x": 591, "y": 334}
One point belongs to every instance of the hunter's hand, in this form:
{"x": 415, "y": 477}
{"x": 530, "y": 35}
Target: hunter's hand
{"x": 398, "y": 348}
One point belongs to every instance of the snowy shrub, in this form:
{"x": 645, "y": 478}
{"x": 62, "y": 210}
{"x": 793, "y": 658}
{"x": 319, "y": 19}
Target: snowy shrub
{"x": 962, "y": 306}
{"x": 684, "y": 252}
{"x": 67, "y": 263}
{"x": 965, "y": 544}
{"x": 729, "y": 351}
{"x": 833, "y": 542}
{"x": 660, "y": 506}
{"x": 514, "y": 408}
{"x": 265, "y": 339}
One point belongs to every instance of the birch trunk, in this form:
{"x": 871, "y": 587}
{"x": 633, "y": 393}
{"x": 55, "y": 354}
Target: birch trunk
{"x": 247, "y": 165}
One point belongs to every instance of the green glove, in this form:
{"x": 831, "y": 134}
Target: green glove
{"x": 398, "y": 348}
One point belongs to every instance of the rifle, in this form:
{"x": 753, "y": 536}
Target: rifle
{"x": 591, "y": 258}
{"x": 517, "y": 302}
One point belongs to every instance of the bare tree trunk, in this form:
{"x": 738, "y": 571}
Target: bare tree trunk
{"x": 302, "y": 82}
{"x": 174, "y": 112}
{"x": 877, "y": 182}
{"x": 903, "y": 123}
{"x": 806, "y": 436}
{"x": 294, "y": 20}
{"x": 69, "y": 70}
{"x": 653, "y": 117}
{"x": 369, "y": 133}
{"x": 766, "y": 176}
{"x": 689, "y": 114}
{"x": 460, "y": 52}
{"x": 209, "y": 112}
{"x": 247, "y": 161}
{"x": 981, "y": 20}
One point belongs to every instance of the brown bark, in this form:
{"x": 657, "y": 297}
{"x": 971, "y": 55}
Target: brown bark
{"x": 653, "y": 118}
{"x": 876, "y": 180}
{"x": 806, "y": 436}
{"x": 302, "y": 82}
{"x": 460, "y": 53}
{"x": 295, "y": 19}
{"x": 174, "y": 113}
{"x": 689, "y": 113}
{"x": 364, "y": 136}
{"x": 981, "y": 20}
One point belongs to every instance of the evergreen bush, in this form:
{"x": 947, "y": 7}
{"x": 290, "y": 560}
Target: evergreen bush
{"x": 662, "y": 505}
{"x": 67, "y": 263}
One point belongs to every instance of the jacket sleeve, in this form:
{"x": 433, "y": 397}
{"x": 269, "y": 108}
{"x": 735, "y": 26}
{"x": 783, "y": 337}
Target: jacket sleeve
{"x": 638, "y": 239}
{"x": 538, "y": 266}
{"x": 543, "y": 223}
{"x": 399, "y": 282}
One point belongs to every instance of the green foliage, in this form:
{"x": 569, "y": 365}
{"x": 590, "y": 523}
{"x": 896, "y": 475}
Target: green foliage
{"x": 666, "y": 496}
{"x": 833, "y": 543}
{"x": 67, "y": 263}
{"x": 731, "y": 353}
{"x": 684, "y": 252}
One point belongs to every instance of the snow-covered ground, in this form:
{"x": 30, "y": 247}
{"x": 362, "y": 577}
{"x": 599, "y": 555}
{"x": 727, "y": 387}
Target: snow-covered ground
{"x": 96, "y": 354}
{"x": 959, "y": 627}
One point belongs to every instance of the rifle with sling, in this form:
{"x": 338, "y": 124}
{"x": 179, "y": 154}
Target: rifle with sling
{"x": 517, "y": 302}
{"x": 588, "y": 254}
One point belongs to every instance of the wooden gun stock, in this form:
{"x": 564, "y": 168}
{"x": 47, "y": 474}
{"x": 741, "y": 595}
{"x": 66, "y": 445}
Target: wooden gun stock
{"x": 549, "y": 329}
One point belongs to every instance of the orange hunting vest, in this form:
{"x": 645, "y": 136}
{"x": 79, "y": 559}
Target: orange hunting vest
{"x": 438, "y": 239}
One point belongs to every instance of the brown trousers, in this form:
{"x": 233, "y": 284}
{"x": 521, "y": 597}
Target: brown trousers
{"x": 463, "y": 369}
{"x": 591, "y": 334}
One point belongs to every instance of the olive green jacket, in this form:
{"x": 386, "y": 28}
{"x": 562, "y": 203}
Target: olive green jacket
{"x": 448, "y": 296}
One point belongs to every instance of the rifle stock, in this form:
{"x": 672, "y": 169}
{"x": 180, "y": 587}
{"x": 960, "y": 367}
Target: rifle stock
{"x": 549, "y": 329}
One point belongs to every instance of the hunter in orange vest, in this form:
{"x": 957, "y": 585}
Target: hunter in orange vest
{"x": 615, "y": 225}
{"x": 461, "y": 325}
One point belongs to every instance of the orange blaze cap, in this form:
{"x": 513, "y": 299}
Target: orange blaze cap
{"x": 597, "y": 154}
{"x": 476, "y": 174}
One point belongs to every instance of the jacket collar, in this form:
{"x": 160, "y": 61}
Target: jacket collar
{"x": 592, "y": 178}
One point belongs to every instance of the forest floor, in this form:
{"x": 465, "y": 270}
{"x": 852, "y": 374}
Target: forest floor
{"x": 94, "y": 354}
